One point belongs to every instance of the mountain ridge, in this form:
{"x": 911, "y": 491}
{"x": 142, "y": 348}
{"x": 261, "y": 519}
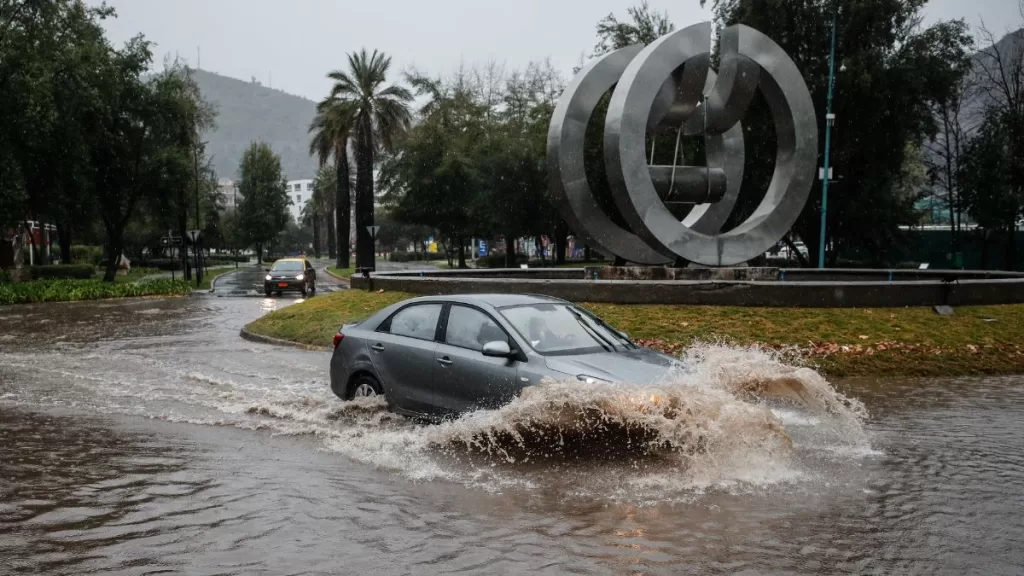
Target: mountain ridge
{"x": 248, "y": 112}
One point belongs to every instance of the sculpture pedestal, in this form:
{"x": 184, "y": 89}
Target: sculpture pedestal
{"x": 748, "y": 274}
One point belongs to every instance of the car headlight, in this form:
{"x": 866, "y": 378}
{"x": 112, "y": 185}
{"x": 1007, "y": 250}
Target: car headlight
{"x": 592, "y": 379}
{"x": 269, "y": 277}
{"x": 300, "y": 277}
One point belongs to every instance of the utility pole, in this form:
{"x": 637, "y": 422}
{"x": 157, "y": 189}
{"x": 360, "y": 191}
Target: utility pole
{"x": 829, "y": 120}
{"x": 234, "y": 204}
{"x": 195, "y": 243}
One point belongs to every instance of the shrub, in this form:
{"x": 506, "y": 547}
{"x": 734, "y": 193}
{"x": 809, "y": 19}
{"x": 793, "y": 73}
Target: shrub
{"x": 498, "y": 261}
{"x": 415, "y": 256}
{"x": 87, "y": 255}
{"x": 65, "y": 272}
{"x": 5, "y": 277}
{"x": 69, "y": 290}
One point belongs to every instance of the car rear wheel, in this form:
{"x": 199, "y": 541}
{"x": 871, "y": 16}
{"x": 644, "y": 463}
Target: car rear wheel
{"x": 365, "y": 386}
{"x": 268, "y": 291}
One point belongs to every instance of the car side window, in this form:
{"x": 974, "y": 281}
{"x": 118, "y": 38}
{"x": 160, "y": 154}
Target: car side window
{"x": 419, "y": 321}
{"x": 471, "y": 328}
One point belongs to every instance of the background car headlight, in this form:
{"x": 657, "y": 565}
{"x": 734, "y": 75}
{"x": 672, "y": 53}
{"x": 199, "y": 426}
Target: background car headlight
{"x": 269, "y": 277}
{"x": 300, "y": 277}
{"x": 592, "y": 379}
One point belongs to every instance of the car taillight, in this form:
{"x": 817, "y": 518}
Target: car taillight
{"x": 337, "y": 339}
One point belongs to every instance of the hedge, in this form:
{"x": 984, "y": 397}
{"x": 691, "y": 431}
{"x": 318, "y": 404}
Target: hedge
{"x": 69, "y": 290}
{"x": 498, "y": 261}
{"x": 62, "y": 272}
{"x": 87, "y": 255}
{"x": 415, "y": 256}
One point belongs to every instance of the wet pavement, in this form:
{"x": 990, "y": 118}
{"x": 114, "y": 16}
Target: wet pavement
{"x": 145, "y": 436}
{"x": 248, "y": 281}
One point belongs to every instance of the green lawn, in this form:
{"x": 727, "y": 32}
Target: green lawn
{"x": 840, "y": 341}
{"x": 343, "y": 272}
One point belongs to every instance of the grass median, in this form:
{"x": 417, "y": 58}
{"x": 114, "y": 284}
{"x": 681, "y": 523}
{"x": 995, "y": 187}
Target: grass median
{"x": 841, "y": 342}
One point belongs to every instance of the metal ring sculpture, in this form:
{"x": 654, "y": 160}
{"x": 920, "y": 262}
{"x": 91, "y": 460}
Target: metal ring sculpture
{"x": 669, "y": 83}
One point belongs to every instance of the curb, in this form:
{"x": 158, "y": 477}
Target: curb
{"x": 213, "y": 285}
{"x": 342, "y": 279}
{"x": 246, "y": 334}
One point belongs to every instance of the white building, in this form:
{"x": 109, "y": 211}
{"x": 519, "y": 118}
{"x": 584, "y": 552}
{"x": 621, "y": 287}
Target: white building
{"x": 300, "y": 191}
{"x": 228, "y": 192}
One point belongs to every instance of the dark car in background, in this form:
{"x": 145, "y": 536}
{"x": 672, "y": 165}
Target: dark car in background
{"x": 290, "y": 275}
{"x": 445, "y": 355}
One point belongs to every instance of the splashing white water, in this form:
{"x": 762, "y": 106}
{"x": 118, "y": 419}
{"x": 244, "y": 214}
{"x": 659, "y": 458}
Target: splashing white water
{"x": 733, "y": 416}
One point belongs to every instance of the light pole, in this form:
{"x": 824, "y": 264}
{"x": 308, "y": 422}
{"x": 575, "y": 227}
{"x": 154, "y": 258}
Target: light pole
{"x": 234, "y": 206}
{"x": 829, "y": 119}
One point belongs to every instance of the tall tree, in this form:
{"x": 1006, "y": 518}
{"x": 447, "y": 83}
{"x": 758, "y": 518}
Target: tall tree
{"x": 643, "y": 26}
{"x": 894, "y": 71}
{"x": 331, "y": 129}
{"x": 993, "y": 170}
{"x": 263, "y": 212}
{"x": 379, "y": 114}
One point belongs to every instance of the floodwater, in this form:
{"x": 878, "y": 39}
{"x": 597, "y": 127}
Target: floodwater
{"x": 145, "y": 436}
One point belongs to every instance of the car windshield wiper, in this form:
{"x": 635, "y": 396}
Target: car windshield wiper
{"x": 608, "y": 345}
{"x": 622, "y": 337}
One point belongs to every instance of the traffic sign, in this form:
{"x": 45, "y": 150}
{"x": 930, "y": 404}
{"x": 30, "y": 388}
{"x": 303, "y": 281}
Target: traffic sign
{"x": 170, "y": 241}
{"x": 483, "y": 248}
{"x": 373, "y": 231}
{"x": 194, "y": 235}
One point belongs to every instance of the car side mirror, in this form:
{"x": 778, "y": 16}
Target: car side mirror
{"x": 266, "y": 269}
{"x": 497, "y": 349}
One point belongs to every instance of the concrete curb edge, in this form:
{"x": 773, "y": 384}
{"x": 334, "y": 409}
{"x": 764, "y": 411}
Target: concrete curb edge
{"x": 247, "y": 334}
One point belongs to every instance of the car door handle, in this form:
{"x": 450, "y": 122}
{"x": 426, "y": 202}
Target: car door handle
{"x": 446, "y": 361}
{"x": 377, "y": 348}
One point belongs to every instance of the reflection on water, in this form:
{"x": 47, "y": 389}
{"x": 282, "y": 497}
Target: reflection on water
{"x": 145, "y": 436}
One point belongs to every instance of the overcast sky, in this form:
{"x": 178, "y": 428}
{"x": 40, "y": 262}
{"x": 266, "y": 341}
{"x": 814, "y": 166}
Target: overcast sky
{"x": 291, "y": 44}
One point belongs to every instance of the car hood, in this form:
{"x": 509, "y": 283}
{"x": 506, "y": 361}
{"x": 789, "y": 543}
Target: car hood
{"x": 640, "y": 366}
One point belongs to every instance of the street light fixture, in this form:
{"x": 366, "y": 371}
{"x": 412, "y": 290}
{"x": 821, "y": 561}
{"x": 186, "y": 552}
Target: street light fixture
{"x": 829, "y": 120}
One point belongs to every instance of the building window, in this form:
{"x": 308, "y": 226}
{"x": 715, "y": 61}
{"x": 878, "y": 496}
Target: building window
{"x": 298, "y": 198}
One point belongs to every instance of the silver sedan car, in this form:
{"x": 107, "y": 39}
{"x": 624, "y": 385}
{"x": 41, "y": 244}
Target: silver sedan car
{"x": 442, "y": 356}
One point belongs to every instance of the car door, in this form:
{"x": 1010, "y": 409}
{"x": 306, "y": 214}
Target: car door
{"x": 402, "y": 351}
{"x": 465, "y": 379}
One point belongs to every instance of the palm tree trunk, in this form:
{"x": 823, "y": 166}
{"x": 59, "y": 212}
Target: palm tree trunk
{"x": 342, "y": 209}
{"x": 364, "y": 200}
{"x": 332, "y": 246}
{"x": 316, "y": 234}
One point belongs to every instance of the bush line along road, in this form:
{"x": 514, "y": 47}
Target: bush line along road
{"x": 839, "y": 342}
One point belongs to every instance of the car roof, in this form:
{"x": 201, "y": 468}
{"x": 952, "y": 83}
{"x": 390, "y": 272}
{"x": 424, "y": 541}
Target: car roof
{"x": 495, "y": 300}
{"x": 289, "y": 260}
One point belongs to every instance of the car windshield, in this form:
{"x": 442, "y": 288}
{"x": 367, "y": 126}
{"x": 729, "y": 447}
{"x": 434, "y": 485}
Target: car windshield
{"x": 560, "y": 329}
{"x": 287, "y": 266}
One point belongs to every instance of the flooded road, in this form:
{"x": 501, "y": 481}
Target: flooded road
{"x": 145, "y": 436}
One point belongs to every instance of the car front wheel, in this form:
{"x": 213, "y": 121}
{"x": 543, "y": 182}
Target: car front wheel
{"x": 365, "y": 386}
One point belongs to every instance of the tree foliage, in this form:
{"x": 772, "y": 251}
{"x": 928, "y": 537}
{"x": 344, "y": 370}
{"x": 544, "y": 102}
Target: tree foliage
{"x": 263, "y": 212}
{"x": 88, "y": 141}
{"x": 894, "y": 73}
{"x": 474, "y": 164}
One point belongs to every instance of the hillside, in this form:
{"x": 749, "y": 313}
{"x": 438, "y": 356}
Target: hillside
{"x": 248, "y": 112}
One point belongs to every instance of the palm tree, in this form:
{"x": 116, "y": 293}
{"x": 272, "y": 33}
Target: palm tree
{"x": 377, "y": 115}
{"x": 311, "y": 217}
{"x": 331, "y": 129}
{"x": 325, "y": 191}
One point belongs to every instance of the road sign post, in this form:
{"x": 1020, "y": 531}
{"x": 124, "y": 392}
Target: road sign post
{"x": 195, "y": 236}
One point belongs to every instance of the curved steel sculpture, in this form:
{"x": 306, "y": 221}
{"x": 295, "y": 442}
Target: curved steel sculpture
{"x": 669, "y": 85}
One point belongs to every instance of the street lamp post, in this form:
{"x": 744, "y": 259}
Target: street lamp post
{"x": 829, "y": 120}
